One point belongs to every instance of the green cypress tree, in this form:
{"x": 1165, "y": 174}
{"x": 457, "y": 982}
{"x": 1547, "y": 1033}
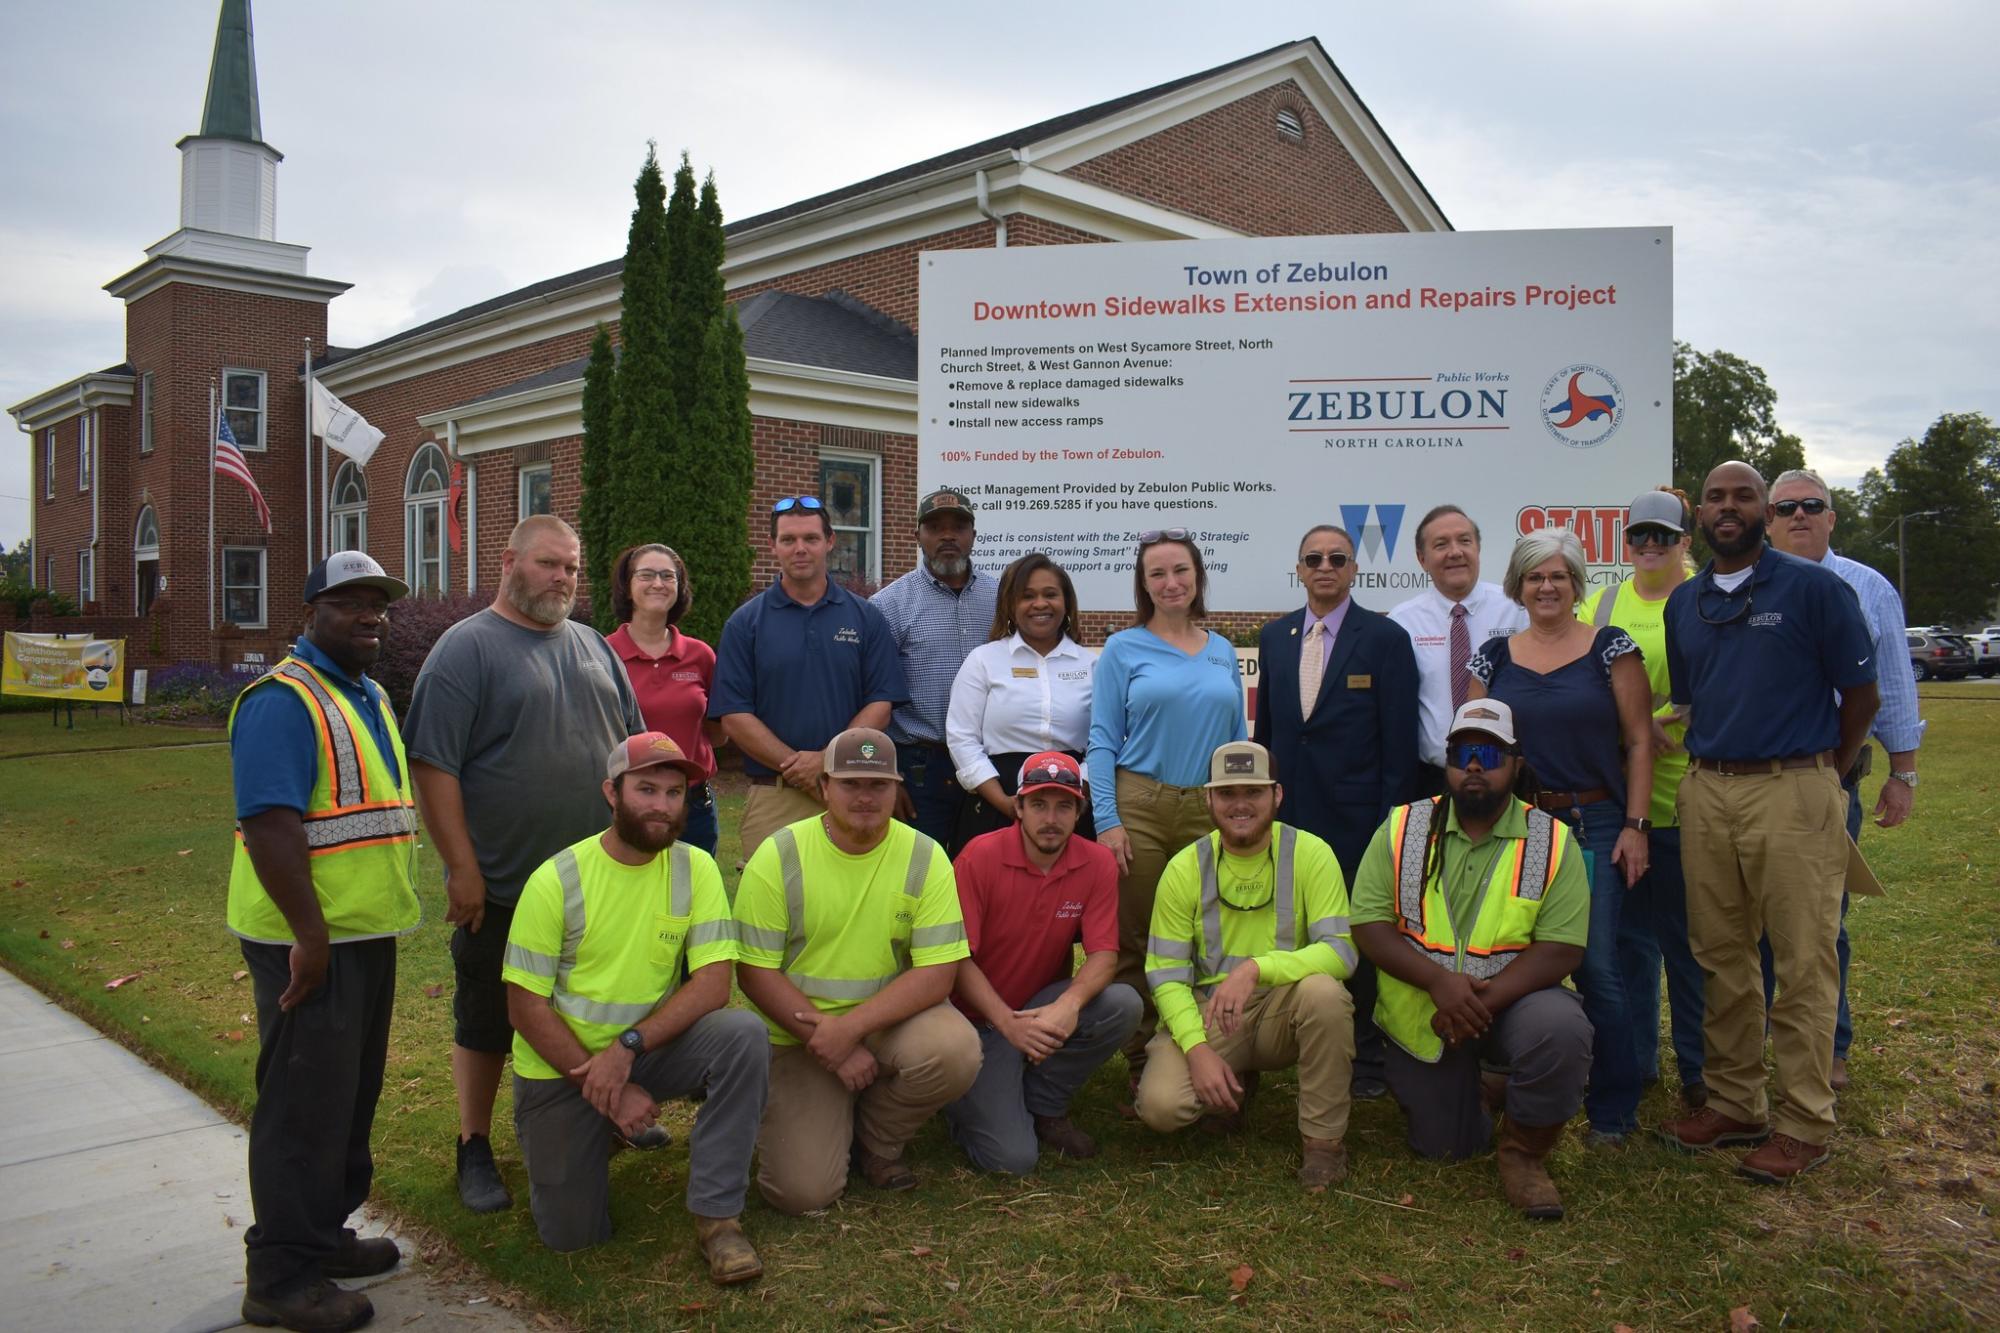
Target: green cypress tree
{"x": 644, "y": 419}
{"x": 717, "y": 454}
{"x": 594, "y": 511}
{"x": 690, "y": 303}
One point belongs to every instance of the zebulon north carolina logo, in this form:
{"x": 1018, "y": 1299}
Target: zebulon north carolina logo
{"x": 1583, "y": 405}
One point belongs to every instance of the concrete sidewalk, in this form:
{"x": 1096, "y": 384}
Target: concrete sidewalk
{"x": 123, "y": 1196}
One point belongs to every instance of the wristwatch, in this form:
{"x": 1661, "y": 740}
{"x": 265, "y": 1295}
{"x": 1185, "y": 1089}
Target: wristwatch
{"x": 632, "y": 1041}
{"x": 1638, "y": 823}
{"x": 1908, "y": 779}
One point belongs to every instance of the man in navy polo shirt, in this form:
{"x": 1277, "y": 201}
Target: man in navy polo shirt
{"x": 800, "y": 663}
{"x": 1758, "y": 643}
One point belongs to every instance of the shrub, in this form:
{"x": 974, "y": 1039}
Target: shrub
{"x": 189, "y": 690}
{"x": 24, "y": 595}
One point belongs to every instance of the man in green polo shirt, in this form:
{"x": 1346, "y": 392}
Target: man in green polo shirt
{"x": 604, "y": 1028}
{"x": 1475, "y": 907}
{"x": 851, "y": 935}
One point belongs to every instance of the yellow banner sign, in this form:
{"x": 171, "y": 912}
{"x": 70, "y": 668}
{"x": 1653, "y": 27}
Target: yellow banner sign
{"x": 64, "y": 666}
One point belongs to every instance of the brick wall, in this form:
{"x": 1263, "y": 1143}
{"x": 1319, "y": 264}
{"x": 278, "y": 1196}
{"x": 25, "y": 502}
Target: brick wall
{"x": 1232, "y": 167}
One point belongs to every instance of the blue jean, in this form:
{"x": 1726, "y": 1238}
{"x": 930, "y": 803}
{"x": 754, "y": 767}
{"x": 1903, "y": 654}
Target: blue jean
{"x": 701, "y": 827}
{"x": 994, "y": 1121}
{"x": 1843, "y": 1023}
{"x": 932, "y": 784}
{"x": 1653, "y": 930}
{"x": 1612, "y": 1101}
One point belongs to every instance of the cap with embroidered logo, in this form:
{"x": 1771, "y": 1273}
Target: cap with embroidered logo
{"x": 1051, "y": 770}
{"x": 1240, "y": 764}
{"x": 1489, "y": 717}
{"x": 650, "y": 749}
{"x": 352, "y": 569}
{"x": 860, "y": 752}
{"x": 937, "y": 502}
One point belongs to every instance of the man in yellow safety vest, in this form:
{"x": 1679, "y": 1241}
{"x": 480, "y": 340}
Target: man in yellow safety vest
{"x": 1474, "y": 907}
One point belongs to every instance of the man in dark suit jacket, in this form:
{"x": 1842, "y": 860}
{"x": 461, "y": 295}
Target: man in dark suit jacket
{"x": 1347, "y": 756}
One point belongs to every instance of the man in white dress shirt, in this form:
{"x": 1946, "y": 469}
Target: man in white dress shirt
{"x": 1446, "y": 623}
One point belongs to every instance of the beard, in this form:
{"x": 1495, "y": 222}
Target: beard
{"x": 644, "y": 835}
{"x": 1478, "y": 805}
{"x": 949, "y": 567}
{"x": 1751, "y": 537}
{"x": 550, "y": 608}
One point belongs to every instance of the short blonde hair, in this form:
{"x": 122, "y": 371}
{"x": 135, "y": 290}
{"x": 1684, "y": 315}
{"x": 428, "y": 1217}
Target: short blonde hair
{"x": 1538, "y": 546}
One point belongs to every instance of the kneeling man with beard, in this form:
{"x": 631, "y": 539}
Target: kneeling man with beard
{"x": 1474, "y": 907}
{"x": 604, "y": 1028}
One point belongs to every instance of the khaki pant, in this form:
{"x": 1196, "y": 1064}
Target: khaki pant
{"x": 768, "y": 809}
{"x": 1764, "y": 854}
{"x": 1159, "y": 820}
{"x": 1309, "y": 1024}
{"x": 811, "y": 1120}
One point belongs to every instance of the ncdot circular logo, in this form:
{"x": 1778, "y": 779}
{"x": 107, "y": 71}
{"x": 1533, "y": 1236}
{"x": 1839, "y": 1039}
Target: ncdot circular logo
{"x": 1583, "y": 405}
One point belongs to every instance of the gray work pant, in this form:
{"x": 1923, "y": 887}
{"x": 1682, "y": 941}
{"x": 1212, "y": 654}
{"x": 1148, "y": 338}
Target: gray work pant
{"x": 567, "y": 1142}
{"x": 994, "y": 1121}
{"x": 1542, "y": 1040}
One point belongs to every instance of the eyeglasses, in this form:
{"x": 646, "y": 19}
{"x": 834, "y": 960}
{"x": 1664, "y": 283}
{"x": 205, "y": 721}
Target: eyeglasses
{"x": 1314, "y": 559}
{"x": 1464, "y": 754}
{"x": 1640, "y": 538}
{"x": 1786, "y": 508}
{"x": 810, "y": 503}
{"x": 1152, "y": 535}
{"x": 655, "y": 576}
{"x": 354, "y": 606}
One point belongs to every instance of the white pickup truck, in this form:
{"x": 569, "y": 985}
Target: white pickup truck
{"x": 1986, "y": 651}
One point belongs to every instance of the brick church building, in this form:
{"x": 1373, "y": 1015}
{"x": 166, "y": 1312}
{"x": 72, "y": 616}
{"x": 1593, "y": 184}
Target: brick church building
{"x": 1274, "y": 143}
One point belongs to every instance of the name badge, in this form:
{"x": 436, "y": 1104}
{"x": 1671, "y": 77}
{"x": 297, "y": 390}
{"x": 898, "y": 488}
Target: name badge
{"x": 1027, "y": 673}
{"x": 1361, "y": 682}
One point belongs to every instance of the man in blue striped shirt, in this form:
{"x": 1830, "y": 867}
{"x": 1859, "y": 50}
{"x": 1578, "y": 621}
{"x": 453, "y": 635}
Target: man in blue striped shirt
{"x": 937, "y": 613}
{"x": 1803, "y": 527}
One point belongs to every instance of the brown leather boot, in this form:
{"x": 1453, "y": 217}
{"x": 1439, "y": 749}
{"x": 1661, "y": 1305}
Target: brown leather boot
{"x": 1324, "y": 1164}
{"x": 1522, "y": 1175}
{"x": 731, "y": 1258}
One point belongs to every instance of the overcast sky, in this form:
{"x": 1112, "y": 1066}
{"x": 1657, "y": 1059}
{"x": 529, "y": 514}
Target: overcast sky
{"x": 1831, "y": 170}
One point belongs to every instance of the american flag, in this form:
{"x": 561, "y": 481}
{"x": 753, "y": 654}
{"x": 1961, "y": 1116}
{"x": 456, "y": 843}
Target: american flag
{"x": 229, "y": 461}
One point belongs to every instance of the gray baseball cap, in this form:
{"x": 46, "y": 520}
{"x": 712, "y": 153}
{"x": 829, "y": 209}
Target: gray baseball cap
{"x": 1656, "y": 509}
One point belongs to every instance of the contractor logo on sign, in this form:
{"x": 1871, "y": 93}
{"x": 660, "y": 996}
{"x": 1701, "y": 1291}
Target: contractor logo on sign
{"x": 1376, "y": 540}
{"x": 1583, "y": 405}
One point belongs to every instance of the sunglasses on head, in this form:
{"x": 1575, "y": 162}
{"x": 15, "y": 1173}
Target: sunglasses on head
{"x": 1815, "y": 507}
{"x": 1464, "y": 754}
{"x": 1643, "y": 537}
{"x": 1151, "y": 535}
{"x": 1314, "y": 559}
{"x": 1052, "y": 777}
{"x": 810, "y": 503}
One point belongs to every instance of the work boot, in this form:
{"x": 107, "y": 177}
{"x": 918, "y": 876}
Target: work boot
{"x": 317, "y": 1307}
{"x": 1522, "y": 1175}
{"x": 1325, "y": 1163}
{"x": 1782, "y": 1158}
{"x": 731, "y": 1257}
{"x": 361, "y": 1258}
{"x": 1839, "y": 1080}
{"x": 1710, "y": 1128}
{"x": 1694, "y": 1095}
{"x": 1232, "y": 1122}
{"x": 650, "y": 1139}
{"x": 479, "y": 1185}
{"x": 1060, "y": 1133}
{"x": 1493, "y": 1092}
{"x": 884, "y": 1173}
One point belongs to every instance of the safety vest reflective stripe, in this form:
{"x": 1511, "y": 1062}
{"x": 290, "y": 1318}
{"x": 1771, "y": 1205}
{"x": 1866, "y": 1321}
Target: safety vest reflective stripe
{"x": 711, "y": 932}
{"x": 792, "y": 872}
{"x": 330, "y": 833}
{"x": 527, "y": 960}
{"x": 761, "y": 937}
{"x": 1328, "y": 930}
{"x": 1214, "y": 962}
{"x": 1160, "y": 948}
{"x": 568, "y": 1001}
{"x": 1529, "y": 876}
{"x": 349, "y": 786}
{"x": 1605, "y": 601}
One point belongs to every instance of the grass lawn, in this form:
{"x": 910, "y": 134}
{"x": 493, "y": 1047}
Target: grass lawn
{"x": 116, "y": 864}
{"x": 25, "y": 731}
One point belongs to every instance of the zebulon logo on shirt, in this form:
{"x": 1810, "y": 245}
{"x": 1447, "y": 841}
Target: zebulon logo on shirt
{"x": 1070, "y": 910}
{"x": 1767, "y": 618}
{"x": 847, "y": 634}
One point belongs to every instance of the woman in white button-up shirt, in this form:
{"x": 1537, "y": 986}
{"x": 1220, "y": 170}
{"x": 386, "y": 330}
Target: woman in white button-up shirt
{"x": 1025, "y": 691}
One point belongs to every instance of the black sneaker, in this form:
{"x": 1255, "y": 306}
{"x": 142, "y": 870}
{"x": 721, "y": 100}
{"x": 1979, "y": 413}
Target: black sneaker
{"x": 317, "y": 1307}
{"x": 479, "y": 1185}
{"x": 650, "y": 1139}
{"x": 361, "y": 1258}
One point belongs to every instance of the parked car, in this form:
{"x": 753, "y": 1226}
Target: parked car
{"x": 1986, "y": 651}
{"x": 1938, "y": 654}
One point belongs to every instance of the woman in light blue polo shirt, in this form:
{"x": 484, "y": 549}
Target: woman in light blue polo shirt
{"x": 1166, "y": 693}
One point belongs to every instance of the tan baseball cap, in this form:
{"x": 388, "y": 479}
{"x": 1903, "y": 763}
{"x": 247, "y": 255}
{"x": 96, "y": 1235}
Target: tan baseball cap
{"x": 650, "y": 749}
{"x": 1240, "y": 764}
{"x": 860, "y": 752}
{"x": 1487, "y": 716}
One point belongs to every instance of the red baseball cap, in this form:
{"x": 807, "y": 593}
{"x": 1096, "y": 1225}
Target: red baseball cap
{"x": 1052, "y": 770}
{"x": 650, "y": 749}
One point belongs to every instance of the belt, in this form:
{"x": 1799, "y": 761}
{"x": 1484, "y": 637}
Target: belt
{"x": 1741, "y": 768}
{"x": 1553, "y": 801}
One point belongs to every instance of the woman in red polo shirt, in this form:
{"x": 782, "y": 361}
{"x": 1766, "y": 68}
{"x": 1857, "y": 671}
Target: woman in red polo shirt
{"x": 670, "y": 672}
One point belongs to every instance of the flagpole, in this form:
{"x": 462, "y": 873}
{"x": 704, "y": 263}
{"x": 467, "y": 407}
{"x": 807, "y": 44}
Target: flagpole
{"x": 212, "y": 435}
{"x": 325, "y": 486}
{"x": 309, "y": 454}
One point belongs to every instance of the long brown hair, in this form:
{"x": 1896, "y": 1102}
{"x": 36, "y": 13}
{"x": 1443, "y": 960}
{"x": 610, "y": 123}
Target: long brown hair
{"x": 621, "y": 582}
{"x": 1014, "y": 582}
{"x": 1142, "y": 601}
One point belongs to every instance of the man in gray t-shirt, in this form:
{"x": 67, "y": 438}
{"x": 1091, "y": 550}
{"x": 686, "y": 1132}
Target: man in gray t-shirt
{"x": 507, "y": 730}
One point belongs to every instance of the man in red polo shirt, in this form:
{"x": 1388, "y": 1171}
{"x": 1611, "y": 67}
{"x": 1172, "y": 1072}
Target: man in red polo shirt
{"x": 1029, "y": 894}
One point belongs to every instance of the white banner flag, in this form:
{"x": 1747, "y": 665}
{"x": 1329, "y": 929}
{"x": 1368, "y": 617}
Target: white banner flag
{"x": 342, "y": 427}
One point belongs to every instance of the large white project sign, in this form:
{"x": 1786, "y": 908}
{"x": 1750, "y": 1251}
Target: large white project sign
{"x": 1249, "y": 389}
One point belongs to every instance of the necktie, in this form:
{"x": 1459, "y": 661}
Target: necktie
{"x": 1461, "y": 653}
{"x": 1312, "y": 665}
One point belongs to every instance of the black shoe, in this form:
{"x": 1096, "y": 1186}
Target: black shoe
{"x": 317, "y": 1307}
{"x": 649, "y": 1139}
{"x": 479, "y": 1185}
{"x": 1368, "y": 1088}
{"x": 361, "y": 1258}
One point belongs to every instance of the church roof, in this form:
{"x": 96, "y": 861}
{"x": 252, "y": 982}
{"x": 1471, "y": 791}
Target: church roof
{"x": 230, "y": 110}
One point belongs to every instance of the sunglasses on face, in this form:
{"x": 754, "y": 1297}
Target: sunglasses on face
{"x": 1641, "y": 538}
{"x": 1152, "y": 535}
{"x": 1314, "y": 559}
{"x": 1464, "y": 754}
{"x": 809, "y": 503}
{"x": 1786, "y": 508}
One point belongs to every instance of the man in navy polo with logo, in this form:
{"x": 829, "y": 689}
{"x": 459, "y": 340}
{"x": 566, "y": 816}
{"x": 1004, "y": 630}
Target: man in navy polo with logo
{"x": 1758, "y": 643}
{"x": 799, "y": 663}
{"x": 937, "y": 613}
